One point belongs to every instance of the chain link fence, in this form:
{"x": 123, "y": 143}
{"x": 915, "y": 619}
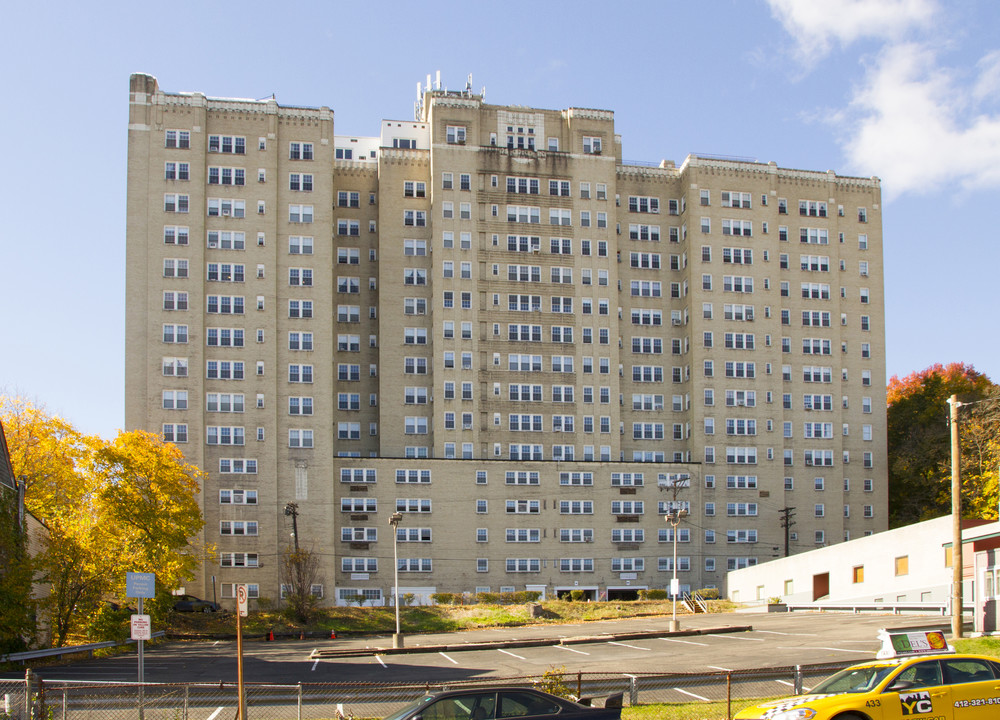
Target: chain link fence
{"x": 35, "y": 699}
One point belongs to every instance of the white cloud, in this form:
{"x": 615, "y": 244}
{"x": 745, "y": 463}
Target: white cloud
{"x": 913, "y": 123}
{"x": 817, "y": 24}
{"x": 988, "y": 85}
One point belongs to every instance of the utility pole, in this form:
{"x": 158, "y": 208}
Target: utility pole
{"x": 786, "y": 523}
{"x": 293, "y": 510}
{"x": 956, "y": 521}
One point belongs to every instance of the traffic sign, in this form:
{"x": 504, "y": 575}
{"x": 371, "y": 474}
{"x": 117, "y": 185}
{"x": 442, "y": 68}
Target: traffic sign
{"x": 241, "y": 600}
{"x": 141, "y": 627}
{"x": 140, "y": 585}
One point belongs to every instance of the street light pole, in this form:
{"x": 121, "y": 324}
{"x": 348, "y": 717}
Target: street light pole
{"x": 674, "y": 518}
{"x": 957, "y": 568}
{"x": 394, "y": 520}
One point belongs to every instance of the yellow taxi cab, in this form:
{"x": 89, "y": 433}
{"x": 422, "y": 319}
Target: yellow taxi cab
{"x": 916, "y": 676}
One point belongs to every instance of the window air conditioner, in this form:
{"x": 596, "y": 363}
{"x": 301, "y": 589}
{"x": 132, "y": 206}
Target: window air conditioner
{"x": 225, "y": 213}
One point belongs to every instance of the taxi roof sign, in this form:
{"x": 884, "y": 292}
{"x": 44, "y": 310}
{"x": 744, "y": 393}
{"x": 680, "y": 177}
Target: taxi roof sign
{"x": 905, "y": 642}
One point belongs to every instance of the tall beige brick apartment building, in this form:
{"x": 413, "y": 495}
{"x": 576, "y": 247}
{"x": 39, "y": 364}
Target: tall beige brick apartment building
{"x": 485, "y": 320}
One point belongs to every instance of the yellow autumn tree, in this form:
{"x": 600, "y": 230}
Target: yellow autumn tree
{"x": 148, "y": 494}
{"x": 108, "y": 507}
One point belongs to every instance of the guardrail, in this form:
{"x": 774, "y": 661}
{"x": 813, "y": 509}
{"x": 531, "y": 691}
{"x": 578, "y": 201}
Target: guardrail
{"x": 896, "y": 608}
{"x": 89, "y": 649}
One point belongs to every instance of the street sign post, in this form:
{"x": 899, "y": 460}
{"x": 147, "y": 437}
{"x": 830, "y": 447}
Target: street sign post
{"x": 140, "y": 585}
{"x": 241, "y": 612}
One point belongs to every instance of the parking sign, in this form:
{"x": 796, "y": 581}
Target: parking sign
{"x": 241, "y": 600}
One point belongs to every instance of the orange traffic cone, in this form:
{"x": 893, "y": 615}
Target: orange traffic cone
{"x": 333, "y": 634}
{"x": 270, "y": 636}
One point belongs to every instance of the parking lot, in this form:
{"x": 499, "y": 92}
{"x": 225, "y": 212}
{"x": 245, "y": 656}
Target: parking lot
{"x": 775, "y": 640}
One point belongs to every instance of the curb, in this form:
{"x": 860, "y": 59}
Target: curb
{"x": 531, "y": 642}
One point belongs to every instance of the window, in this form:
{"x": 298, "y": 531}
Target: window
{"x": 238, "y": 527}
{"x": 455, "y": 134}
{"x": 299, "y": 151}
{"x": 300, "y": 213}
{"x": 591, "y": 145}
{"x": 178, "y": 139}
{"x": 175, "y": 433}
{"x": 224, "y": 435}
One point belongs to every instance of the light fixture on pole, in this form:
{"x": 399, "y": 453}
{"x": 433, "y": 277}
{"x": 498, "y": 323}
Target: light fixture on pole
{"x": 394, "y": 520}
{"x": 674, "y": 518}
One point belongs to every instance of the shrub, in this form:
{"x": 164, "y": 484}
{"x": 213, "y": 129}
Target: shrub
{"x": 552, "y": 681}
{"x": 110, "y": 623}
{"x": 487, "y": 598}
{"x": 443, "y": 598}
{"x": 576, "y": 595}
{"x": 708, "y": 593}
{"x": 653, "y": 594}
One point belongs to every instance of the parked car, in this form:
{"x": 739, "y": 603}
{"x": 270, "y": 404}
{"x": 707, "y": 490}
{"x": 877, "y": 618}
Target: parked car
{"x": 189, "y": 603}
{"x": 504, "y": 702}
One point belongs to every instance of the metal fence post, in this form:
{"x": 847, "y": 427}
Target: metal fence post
{"x": 798, "y": 679}
{"x": 187, "y": 695}
{"x": 65, "y": 704}
{"x": 27, "y": 693}
{"x": 633, "y": 690}
{"x": 298, "y": 712}
{"x": 729, "y": 695}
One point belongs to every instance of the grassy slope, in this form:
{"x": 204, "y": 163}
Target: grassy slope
{"x": 423, "y": 619}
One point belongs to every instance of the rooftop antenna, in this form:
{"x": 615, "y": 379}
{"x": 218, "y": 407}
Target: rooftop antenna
{"x": 482, "y": 94}
{"x": 468, "y": 85}
{"x": 429, "y": 86}
{"x": 437, "y": 81}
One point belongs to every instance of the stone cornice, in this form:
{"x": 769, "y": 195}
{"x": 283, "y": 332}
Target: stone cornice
{"x": 756, "y": 168}
{"x": 240, "y": 105}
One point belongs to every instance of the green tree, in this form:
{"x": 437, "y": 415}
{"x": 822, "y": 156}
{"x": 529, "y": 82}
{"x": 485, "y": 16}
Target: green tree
{"x": 919, "y": 444}
{"x": 16, "y": 605}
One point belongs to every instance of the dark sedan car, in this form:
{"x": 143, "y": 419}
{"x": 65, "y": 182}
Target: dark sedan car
{"x": 494, "y": 703}
{"x": 189, "y": 603}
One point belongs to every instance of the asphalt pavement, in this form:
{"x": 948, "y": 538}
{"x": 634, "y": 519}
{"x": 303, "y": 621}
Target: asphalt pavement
{"x": 632, "y": 645}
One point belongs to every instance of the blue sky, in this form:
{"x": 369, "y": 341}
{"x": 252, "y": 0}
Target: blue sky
{"x": 908, "y": 90}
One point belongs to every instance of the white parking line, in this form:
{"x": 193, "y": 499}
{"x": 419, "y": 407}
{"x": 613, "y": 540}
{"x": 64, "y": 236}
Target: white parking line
{"x": 775, "y": 632}
{"x": 511, "y": 654}
{"x": 686, "y": 642}
{"x": 313, "y": 668}
{"x": 215, "y": 714}
{"x": 703, "y": 699}
{"x": 716, "y": 667}
{"x": 785, "y": 682}
{"x": 448, "y": 658}
{"x": 634, "y": 647}
{"x": 832, "y": 649}
{"x": 733, "y": 637}
{"x": 563, "y": 647}
{"x": 381, "y": 661}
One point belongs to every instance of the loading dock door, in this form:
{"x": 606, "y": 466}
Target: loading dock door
{"x": 821, "y": 586}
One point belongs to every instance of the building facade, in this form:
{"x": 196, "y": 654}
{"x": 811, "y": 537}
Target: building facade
{"x": 485, "y": 320}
